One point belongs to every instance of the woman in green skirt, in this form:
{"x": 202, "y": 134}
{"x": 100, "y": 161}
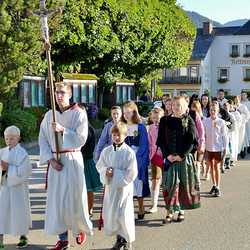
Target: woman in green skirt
{"x": 91, "y": 174}
{"x": 176, "y": 137}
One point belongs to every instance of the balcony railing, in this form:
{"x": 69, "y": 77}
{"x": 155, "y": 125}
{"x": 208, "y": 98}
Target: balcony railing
{"x": 182, "y": 79}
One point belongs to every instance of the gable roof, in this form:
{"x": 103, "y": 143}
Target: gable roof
{"x": 203, "y": 42}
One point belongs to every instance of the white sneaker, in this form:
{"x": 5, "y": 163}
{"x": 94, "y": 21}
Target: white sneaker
{"x": 153, "y": 210}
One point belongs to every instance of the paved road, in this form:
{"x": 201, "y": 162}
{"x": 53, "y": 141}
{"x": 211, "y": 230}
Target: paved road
{"x": 221, "y": 223}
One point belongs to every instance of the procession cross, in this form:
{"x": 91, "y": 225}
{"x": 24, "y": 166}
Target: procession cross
{"x": 44, "y": 13}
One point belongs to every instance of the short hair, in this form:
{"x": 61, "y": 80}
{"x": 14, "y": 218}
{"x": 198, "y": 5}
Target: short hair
{"x": 63, "y": 85}
{"x": 231, "y": 102}
{"x": 136, "y": 117}
{"x": 221, "y": 90}
{"x": 116, "y": 108}
{"x": 214, "y": 105}
{"x": 120, "y": 128}
{"x": 12, "y": 130}
{"x": 182, "y": 99}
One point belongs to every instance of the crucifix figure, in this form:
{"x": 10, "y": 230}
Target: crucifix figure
{"x": 44, "y": 13}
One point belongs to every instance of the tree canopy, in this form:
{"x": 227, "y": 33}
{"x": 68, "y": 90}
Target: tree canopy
{"x": 109, "y": 38}
{"x": 116, "y": 38}
{"x": 19, "y": 44}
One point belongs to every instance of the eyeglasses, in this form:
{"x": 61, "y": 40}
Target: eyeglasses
{"x": 60, "y": 92}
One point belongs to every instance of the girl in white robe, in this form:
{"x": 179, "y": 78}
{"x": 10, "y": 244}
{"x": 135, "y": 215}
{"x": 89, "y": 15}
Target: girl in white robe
{"x": 118, "y": 208}
{"x": 15, "y": 216}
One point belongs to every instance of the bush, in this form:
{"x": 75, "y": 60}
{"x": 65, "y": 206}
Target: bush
{"x": 38, "y": 112}
{"x": 2, "y": 142}
{"x": 104, "y": 114}
{"x": 24, "y": 120}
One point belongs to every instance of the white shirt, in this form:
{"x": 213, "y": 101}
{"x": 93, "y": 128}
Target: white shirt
{"x": 215, "y": 134}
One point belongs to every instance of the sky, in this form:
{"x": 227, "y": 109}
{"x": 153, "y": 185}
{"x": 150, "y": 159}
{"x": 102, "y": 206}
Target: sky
{"x": 219, "y": 10}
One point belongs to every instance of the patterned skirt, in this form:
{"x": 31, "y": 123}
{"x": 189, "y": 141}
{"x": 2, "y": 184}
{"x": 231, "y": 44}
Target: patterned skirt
{"x": 180, "y": 185}
{"x": 92, "y": 176}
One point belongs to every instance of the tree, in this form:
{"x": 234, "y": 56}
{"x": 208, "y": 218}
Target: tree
{"x": 19, "y": 44}
{"x": 122, "y": 38}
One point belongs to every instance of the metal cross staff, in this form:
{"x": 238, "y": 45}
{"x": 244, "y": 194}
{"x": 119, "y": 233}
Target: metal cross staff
{"x": 44, "y": 13}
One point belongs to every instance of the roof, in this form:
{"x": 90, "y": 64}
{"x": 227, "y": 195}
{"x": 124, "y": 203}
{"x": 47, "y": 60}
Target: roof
{"x": 202, "y": 42}
{"x": 77, "y": 76}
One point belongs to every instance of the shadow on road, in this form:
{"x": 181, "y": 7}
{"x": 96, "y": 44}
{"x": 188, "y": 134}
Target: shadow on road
{"x": 30, "y": 247}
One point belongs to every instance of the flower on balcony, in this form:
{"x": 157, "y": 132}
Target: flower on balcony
{"x": 246, "y": 55}
{"x": 246, "y": 79}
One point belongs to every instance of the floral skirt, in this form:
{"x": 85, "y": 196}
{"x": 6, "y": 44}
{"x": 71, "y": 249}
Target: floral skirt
{"x": 92, "y": 176}
{"x": 180, "y": 185}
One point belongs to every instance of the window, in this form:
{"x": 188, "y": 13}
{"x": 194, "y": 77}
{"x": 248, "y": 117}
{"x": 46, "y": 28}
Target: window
{"x": 235, "y": 50}
{"x": 33, "y": 92}
{"x": 91, "y": 93}
{"x": 247, "y": 50}
{"x": 124, "y": 93}
{"x": 223, "y": 75}
{"x": 183, "y": 71}
{"x": 194, "y": 71}
{"x": 247, "y": 74}
{"x": 76, "y": 92}
{"x": 84, "y": 93}
{"x": 26, "y": 93}
{"x": 41, "y": 94}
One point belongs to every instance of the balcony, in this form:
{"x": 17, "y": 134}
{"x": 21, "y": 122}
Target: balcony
{"x": 182, "y": 80}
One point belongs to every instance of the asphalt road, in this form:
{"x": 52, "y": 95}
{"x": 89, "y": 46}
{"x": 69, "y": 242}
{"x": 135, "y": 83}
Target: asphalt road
{"x": 221, "y": 223}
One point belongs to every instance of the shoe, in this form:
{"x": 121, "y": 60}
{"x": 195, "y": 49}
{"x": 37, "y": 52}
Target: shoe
{"x": 217, "y": 193}
{"x": 81, "y": 238}
{"x": 180, "y": 217}
{"x": 127, "y": 246}
{"x": 140, "y": 216}
{"x": 212, "y": 190}
{"x": 168, "y": 219}
{"x": 120, "y": 242}
{"x": 232, "y": 164}
{"x": 23, "y": 242}
{"x": 222, "y": 171}
{"x": 153, "y": 210}
{"x": 227, "y": 167}
{"x": 61, "y": 245}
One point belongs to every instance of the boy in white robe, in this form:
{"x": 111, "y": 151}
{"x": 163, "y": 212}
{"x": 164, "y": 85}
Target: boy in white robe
{"x": 117, "y": 166}
{"x": 67, "y": 204}
{"x": 15, "y": 169}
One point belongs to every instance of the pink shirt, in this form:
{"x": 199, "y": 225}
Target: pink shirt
{"x": 200, "y": 131}
{"x": 152, "y": 138}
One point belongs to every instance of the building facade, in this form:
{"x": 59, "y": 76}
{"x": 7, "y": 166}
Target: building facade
{"x": 220, "y": 59}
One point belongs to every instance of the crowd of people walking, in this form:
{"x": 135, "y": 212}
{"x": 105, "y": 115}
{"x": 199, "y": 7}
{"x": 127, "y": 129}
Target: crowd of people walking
{"x": 183, "y": 141}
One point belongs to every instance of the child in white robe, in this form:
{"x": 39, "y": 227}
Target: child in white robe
{"x": 15, "y": 169}
{"x": 118, "y": 169}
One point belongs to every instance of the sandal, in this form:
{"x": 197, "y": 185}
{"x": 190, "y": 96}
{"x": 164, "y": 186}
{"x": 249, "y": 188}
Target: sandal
{"x": 168, "y": 219}
{"x": 180, "y": 217}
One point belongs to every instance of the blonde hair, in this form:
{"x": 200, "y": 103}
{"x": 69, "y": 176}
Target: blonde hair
{"x": 136, "y": 117}
{"x": 215, "y": 106}
{"x": 182, "y": 100}
{"x": 63, "y": 85}
{"x": 120, "y": 128}
{"x": 197, "y": 106}
{"x": 12, "y": 130}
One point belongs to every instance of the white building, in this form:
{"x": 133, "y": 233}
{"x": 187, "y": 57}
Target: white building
{"x": 220, "y": 59}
